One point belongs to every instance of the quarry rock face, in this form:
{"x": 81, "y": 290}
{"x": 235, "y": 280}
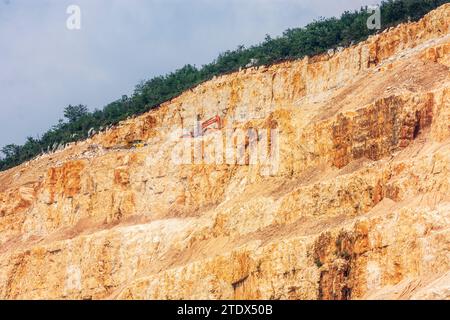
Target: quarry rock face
{"x": 329, "y": 178}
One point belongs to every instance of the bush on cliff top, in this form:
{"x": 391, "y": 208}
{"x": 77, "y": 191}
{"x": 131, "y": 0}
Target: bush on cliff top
{"x": 315, "y": 38}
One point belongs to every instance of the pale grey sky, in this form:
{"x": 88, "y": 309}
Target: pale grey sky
{"x": 44, "y": 67}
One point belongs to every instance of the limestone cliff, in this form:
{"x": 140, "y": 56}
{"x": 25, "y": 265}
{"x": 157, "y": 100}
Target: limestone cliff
{"x": 353, "y": 201}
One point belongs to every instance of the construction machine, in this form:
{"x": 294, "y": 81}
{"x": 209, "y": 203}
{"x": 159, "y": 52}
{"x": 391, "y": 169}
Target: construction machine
{"x": 205, "y": 126}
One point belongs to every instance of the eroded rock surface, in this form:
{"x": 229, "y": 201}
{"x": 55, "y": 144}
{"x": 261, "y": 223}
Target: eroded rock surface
{"x": 354, "y": 205}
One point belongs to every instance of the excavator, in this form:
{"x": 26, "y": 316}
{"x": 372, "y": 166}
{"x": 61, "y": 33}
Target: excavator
{"x": 204, "y": 127}
{"x": 210, "y": 122}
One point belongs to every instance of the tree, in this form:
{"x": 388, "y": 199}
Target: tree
{"x": 11, "y": 150}
{"x": 74, "y": 113}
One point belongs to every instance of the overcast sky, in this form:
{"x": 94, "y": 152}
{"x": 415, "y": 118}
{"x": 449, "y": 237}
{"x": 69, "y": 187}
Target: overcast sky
{"x": 44, "y": 66}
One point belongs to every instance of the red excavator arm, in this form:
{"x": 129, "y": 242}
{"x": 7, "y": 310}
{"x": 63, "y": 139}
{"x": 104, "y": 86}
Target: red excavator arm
{"x": 211, "y": 121}
{"x": 205, "y": 126}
